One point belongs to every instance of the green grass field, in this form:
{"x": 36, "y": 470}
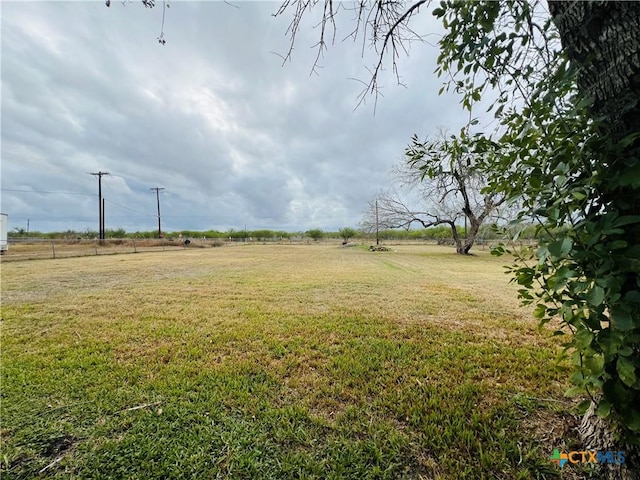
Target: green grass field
{"x": 278, "y": 362}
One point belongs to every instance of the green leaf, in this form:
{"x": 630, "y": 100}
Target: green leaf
{"x": 540, "y": 310}
{"x": 556, "y": 283}
{"x": 583, "y": 339}
{"x": 618, "y": 244}
{"x": 610, "y": 341}
{"x": 573, "y": 391}
{"x": 595, "y": 364}
{"x": 631, "y": 178}
{"x": 625, "y": 351}
{"x": 632, "y": 297}
{"x": 621, "y": 320}
{"x": 583, "y": 406}
{"x": 626, "y": 371}
{"x": 632, "y": 420}
{"x": 616, "y": 392}
{"x": 578, "y": 195}
{"x": 595, "y": 296}
{"x": 626, "y": 220}
{"x": 560, "y": 248}
{"x": 604, "y": 408}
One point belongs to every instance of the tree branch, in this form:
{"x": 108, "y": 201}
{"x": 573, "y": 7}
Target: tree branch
{"x": 388, "y": 29}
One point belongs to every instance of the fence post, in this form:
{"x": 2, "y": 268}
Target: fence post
{"x": 135, "y": 250}
{"x": 95, "y": 246}
{"x": 53, "y": 249}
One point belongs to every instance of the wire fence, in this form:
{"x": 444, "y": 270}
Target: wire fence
{"x": 39, "y": 248}
{"x": 21, "y": 248}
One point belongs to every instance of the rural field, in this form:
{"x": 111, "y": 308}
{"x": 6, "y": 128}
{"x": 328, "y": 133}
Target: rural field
{"x": 279, "y": 362}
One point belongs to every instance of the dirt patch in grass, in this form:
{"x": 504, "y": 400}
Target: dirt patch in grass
{"x": 59, "y": 445}
{"x": 556, "y": 429}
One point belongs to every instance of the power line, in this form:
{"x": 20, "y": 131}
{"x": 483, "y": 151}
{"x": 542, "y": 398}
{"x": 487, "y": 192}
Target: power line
{"x": 46, "y": 191}
{"x": 130, "y": 209}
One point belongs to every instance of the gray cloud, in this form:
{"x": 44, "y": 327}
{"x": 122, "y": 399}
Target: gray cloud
{"x": 236, "y": 138}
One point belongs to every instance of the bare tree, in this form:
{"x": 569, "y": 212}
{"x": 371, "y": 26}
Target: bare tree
{"x": 450, "y": 186}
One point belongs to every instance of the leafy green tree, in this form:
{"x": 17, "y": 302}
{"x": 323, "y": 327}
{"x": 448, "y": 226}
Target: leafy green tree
{"x": 116, "y": 233}
{"x": 315, "y": 233}
{"x": 236, "y": 234}
{"x": 569, "y": 150}
{"x": 347, "y": 233}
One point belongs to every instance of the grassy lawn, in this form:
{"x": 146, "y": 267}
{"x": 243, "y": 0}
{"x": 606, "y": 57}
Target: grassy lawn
{"x": 276, "y": 362}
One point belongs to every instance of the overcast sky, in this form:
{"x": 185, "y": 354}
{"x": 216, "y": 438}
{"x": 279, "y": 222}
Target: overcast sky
{"x": 236, "y": 138}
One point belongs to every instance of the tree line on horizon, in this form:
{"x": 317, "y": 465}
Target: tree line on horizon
{"x": 437, "y": 233}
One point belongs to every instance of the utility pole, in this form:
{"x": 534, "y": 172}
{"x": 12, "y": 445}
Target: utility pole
{"x": 377, "y": 227}
{"x": 157, "y": 190}
{"x": 100, "y": 204}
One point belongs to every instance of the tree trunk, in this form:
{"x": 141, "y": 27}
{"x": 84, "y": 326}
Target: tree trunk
{"x": 463, "y": 247}
{"x": 603, "y": 40}
{"x": 474, "y": 228}
{"x": 456, "y": 238}
{"x": 597, "y": 434}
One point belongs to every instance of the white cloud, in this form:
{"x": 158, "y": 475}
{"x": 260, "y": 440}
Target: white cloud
{"x": 236, "y": 137}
